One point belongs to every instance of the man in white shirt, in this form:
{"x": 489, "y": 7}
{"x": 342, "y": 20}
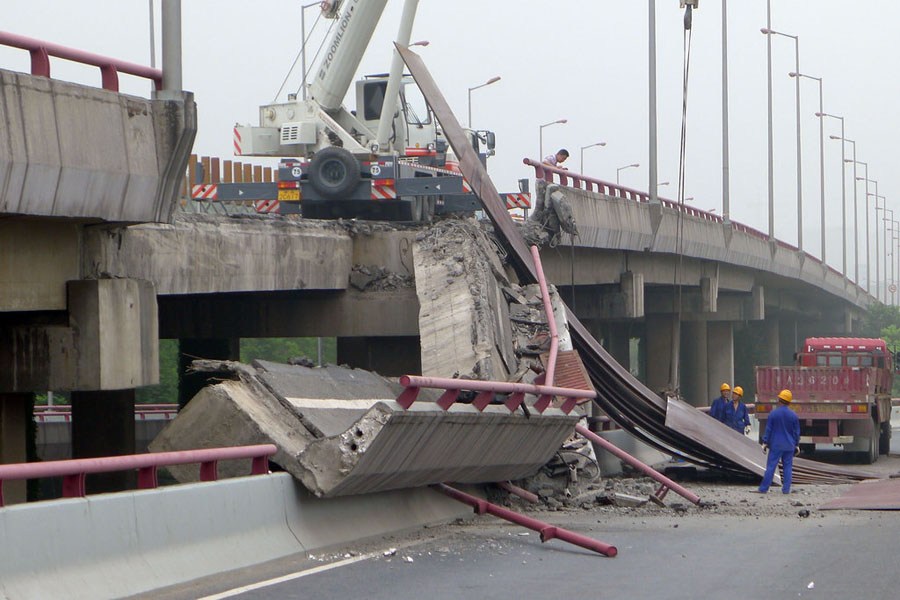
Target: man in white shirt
{"x": 556, "y": 160}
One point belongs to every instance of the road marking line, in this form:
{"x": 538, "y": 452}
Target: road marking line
{"x": 297, "y": 575}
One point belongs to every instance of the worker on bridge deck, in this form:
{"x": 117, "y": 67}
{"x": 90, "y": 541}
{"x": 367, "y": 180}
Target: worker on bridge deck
{"x": 733, "y": 413}
{"x": 781, "y": 441}
{"x": 557, "y": 160}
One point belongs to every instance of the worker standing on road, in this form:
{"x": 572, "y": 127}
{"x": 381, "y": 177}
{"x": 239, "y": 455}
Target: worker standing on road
{"x": 717, "y": 409}
{"x": 782, "y": 442}
{"x": 734, "y": 413}
{"x": 557, "y": 160}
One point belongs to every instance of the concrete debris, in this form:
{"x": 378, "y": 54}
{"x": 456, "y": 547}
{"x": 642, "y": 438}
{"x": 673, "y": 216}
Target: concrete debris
{"x": 627, "y": 500}
{"x": 552, "y": 216}
{"x": 339, "y": 431}
{"x": 369, "y": 278}
{"x": 463, "y": 323}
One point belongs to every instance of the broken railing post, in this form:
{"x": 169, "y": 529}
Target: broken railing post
{"x": 517, "y": 491}
{"x": 637, "y": 464}
{"x": 547, "y": 531}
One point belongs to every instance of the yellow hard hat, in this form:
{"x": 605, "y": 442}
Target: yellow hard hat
{"x": 786, "y": 396}
{"x": 725, "y": 388}
{"x": 739, "y": 391}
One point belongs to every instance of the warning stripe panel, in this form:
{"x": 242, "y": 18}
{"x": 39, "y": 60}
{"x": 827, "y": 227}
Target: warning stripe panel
{"x": 520, "y": 200}
{"x": 237, "y": 142}
{"x": 266, "y": 206}
{"x": 206, "y": 191}
{"x": 383, "y": 192}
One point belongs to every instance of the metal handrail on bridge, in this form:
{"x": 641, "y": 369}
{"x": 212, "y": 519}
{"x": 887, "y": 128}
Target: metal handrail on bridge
{"x": 45, "y": 412}
{"x": 110, "y": 68}
{"x": 591, "y": 184}
{"x": 74, "y": 471}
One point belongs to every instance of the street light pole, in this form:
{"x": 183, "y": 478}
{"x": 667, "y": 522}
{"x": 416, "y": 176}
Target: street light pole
{"x": 868, "y": 244}
{"x": 583, "y": 148}
{"x": 652, "y": 100}
{"x": 843, "y": 183}
{"x": 620, "y": 169}
{"x": 799, "y": 153}
{"x": 771, "y": 160}
{"x": 541, "y": 132}
{"x": 875, "y": 195}
{"x": 488, "y": 82}
{"x": 818, "y": 80}
{"x": 855, "y": 214}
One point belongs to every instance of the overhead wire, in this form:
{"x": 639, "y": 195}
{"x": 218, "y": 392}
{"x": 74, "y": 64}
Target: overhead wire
{"x": 304, "y": 42}
{"x": 678, "y": 269}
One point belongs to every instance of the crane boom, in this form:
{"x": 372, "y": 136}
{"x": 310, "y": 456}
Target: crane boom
{"x": 345, "y": 51}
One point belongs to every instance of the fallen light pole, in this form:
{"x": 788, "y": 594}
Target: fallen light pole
{"x": 547, "y": 531}
{"x": 667, "y": 483}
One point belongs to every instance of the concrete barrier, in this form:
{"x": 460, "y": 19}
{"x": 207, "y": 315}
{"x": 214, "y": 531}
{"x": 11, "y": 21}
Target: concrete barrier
{"x": 114, "y": 545}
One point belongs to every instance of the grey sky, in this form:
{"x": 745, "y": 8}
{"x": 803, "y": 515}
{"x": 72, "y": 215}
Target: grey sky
{"x": 585, "y": 62}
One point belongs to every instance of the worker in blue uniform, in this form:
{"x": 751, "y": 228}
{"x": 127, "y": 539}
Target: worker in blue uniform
{"x": 781, "y": 441}
{"x": 734, "y": 413}
{"x": 717, "y": 408}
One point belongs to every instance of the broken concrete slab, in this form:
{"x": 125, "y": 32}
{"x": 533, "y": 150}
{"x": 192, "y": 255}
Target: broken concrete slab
{"x": 461, "y": 322}
{"x": 392, "y": 448}
{"x": 338, "y": 442}
{"x": 230, "y": 413}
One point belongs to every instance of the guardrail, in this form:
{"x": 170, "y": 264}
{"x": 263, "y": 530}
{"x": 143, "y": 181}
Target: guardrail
{"x": 142, "y": 412}
{"x": 578, "y": 181}
{"x": 109, "y": 67}
{"x": 74, "y": 471}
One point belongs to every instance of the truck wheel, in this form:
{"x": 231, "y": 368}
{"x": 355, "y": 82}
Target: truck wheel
{"x": 333, "y": 172}
{"x": 884, "y": 444}
{"x": 872, "y": 455}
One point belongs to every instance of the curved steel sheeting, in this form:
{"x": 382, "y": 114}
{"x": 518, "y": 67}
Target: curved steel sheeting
{"x": 626, "y": 400}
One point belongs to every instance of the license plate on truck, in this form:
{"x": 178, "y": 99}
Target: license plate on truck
{"x": 288, "y": 195}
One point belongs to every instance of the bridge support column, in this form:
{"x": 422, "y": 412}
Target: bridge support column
{"x": 103, "y": 425}
{"x": 773, "y": 342}
{"x": 695, "y": 383}
{"x": 15, "y": 418}
{"x": 390, "y": 356}
{"x": 660, "y": 329}
{"x": 720, "y": 355}
{"x": 618, "y": 343}
{"x": 189, "y": 384}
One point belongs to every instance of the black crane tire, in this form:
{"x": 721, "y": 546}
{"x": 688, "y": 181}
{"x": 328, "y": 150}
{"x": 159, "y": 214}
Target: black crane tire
{"x": 333, "y": 172}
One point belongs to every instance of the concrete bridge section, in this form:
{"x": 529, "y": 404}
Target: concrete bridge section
{"x": 72, "y": 157}
{"x": 678, "y": 278}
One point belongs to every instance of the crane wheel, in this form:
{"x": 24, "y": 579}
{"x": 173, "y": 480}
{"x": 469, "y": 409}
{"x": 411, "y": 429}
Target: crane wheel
{"x": 333, "y": 172}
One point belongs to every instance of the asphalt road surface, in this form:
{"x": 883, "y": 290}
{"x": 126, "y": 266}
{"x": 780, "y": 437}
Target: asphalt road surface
{"x": 831, "y": 554}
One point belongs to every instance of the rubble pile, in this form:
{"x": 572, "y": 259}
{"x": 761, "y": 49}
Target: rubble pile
{"x": 369, "y": 278}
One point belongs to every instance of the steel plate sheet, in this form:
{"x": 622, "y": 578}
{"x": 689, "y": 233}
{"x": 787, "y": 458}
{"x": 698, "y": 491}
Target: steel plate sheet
{"x": 869, "y": 495}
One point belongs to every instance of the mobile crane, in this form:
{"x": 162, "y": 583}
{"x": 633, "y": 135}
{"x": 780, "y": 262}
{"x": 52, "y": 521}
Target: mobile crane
{"x": 386, "y": 159}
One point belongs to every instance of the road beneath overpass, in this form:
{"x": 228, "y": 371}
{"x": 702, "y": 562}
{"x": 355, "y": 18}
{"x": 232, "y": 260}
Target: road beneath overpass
{"x": 665, "y": 554}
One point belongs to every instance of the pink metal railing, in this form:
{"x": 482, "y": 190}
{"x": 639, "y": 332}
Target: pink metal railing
{"x": 109, "y": 67}
{"x": 74, "y": 471}
{"x": 43, "y": 413}
{"x": 591, "y": 184}
{"x": 547, "y": 531}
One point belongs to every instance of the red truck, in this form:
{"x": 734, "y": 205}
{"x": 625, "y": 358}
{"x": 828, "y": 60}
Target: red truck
{"x": 842, "y": 394}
